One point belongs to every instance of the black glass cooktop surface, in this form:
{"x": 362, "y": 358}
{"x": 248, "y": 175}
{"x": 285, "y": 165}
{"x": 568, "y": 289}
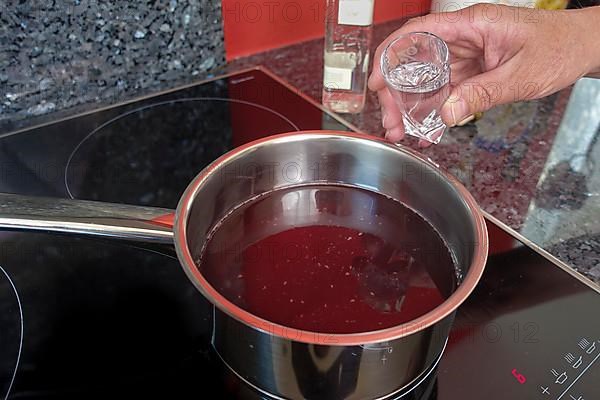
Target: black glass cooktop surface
{"x": 81, "y": 318}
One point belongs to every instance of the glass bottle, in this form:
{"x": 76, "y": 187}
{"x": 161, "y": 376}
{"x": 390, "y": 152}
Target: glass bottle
{"x": 348, "y": 31}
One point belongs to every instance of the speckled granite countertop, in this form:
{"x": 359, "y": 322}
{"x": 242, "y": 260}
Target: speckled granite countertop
{"x": 535, "y": 166}
{"x": 58, "y": 58}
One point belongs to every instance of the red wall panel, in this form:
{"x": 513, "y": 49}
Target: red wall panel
{"x": 252, "y": 26}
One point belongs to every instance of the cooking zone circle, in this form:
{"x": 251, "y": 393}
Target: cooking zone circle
{"x": 160, "y": 147}
{"x": 11, "y": 340}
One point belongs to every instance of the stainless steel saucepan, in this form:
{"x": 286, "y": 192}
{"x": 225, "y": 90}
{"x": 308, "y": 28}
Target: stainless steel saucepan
{"x": 279, "y": 361}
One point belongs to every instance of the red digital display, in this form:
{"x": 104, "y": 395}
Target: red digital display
{"x": 519, "y": 377}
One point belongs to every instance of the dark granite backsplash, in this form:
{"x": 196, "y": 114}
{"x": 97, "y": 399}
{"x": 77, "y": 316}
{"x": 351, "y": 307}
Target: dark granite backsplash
{"x": 56, "y": 55}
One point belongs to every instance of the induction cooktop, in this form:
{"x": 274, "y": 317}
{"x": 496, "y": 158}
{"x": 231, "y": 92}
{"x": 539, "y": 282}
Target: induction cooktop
{"x": 83, "y": 318}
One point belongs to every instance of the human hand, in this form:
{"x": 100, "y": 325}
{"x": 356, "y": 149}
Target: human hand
{"x": 499, "y": 54}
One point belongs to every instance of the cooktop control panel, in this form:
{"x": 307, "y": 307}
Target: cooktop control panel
{"x": 568, "y": 379}
{"x": 529, "y": 331}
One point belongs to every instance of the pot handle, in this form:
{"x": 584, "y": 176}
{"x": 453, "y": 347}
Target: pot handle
{"x": 90, "y": 218}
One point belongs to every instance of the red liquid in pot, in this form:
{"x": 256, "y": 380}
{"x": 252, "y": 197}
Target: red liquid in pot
{"x": 329, "y": 259}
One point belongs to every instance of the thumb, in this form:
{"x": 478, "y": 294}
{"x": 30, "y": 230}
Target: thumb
{"x": 476, "y": 94}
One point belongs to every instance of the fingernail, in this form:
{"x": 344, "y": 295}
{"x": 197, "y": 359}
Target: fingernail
{"x": 394, "y": 134}
{"x": 454, "y": 111}
{"x": 383, "y": 116}
{"x": 466, "y": 120}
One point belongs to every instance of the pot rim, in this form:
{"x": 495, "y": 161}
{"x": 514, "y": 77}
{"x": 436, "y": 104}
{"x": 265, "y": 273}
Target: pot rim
{"x": 445, "y": 309}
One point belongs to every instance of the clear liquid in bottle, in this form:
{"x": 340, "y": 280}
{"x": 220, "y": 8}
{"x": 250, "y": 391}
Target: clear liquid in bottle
{"x": 348, "y": 33}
